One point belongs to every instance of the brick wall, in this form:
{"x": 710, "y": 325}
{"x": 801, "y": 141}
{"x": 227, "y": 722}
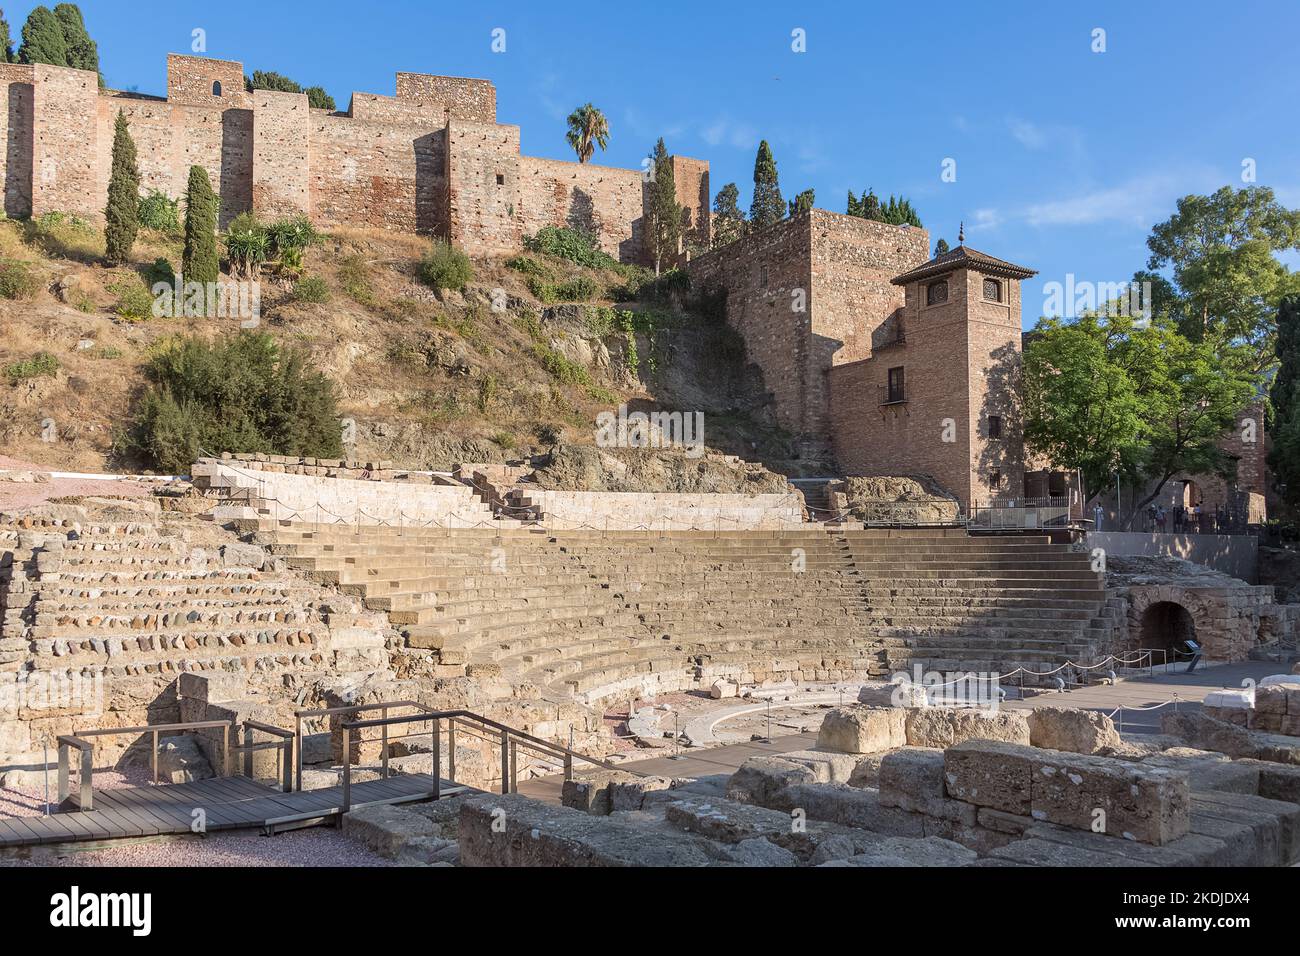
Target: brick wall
{"x": 600, "y": 199}
{"x": 282, "y": 159}
{"x": 483, "y": 186}
{"x": 17, "y": 91}
{"x": 63, "y": 142}
{"x": 456, "y": 96}
{"x": 961, "y": 362}
{"x": 190, "y": 82}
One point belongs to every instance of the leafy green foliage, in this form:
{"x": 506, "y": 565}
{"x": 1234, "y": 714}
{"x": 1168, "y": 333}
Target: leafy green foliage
{"x": 572, "y": 244}
{"x": 17, "y": 280}
{"x": 122, "y": 214}
{"x": 241, "y": 393}
{"x": 134, "y": 302}
{"x": 897, "y": 212}
{"x": 247, "y": 245}
{"x": 767, "y": 206}
{"x": 445, "y": 267}
{"x": 40, "y": 364}
{"x": 82, "y": 52}
{"x": 6, "y": 41}
{"x": 354, "y": 273}
{"x": 664, "y": 214}
{"x": 1284, "y": 458}
{"x": 317, "y": 98}
{"x": 1106, "y": 397}
{"x": 43, "y": 40}
{"x": 941, "y": 248}
{"x": 199, "y": 262}
{"x": 803, "y": 202}
{"x": 728, "y": 219}
{"x": 311, "y": 289}
{"x": 158, "y": 211}
{"x": 288, "y": 239}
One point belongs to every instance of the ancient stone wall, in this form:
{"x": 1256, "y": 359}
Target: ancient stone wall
{"x": 456, "y": 96}
{"x": 281, "y": 154}
{"x": 602, "y": 200}
{"x": 483, "y": 186}
{"x": 17, "y": 91}
{"x": 63, "y": 155}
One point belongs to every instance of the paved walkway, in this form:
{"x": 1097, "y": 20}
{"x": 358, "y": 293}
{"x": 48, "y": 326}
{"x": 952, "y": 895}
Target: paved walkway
{"x": 1176, "y": 690}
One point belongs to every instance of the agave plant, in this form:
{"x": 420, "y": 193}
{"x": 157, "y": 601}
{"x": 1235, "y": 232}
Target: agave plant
{"x": 247, "y": 245}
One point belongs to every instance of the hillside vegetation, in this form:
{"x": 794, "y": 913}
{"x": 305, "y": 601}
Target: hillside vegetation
{"x": 523, "y": 356}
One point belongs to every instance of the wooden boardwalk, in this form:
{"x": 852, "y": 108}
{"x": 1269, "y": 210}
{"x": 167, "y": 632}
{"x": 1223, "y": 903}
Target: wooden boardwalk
{"x": 221, "y": 803}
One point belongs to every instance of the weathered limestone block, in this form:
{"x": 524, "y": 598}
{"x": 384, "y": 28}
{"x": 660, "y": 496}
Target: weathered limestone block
{"x": 893, "y": 694}
{"x": 759, "y": 779}
{"x": 1038, "y": 852}
{"x": 627, "y": 794}
{"x": 511, "y": 830}
{"x": 898, "y": 851}
{"x": 180, "y": 760}
{"x": 727, "y": 821}
{"x": 1072, "y": 729}
{"x": 850, "y": 807}
{"x": 1277, "y": 822}
{"x": 1205, "y": 733}
{"x": 866, "y": 771}
{"x": 721, "y": 689}
{"x": 1207, "y": 770}
{"x": 1276, "y": 781}
{"x": 602, "y": 792}
{"x": 990, "y": 774}
{"x": 912, "y": 779}
{"x": 1146, "y": 804}
{"x": 945, "y": 726}
{"x": 1194, "y": 849}
{"x": 827, "y": 766}
{"x": 862, "y": 730}
{"x": 240, "y": 555}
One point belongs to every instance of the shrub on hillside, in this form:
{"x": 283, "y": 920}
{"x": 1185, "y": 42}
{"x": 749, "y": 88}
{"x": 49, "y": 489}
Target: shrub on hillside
{"x": 445, "y": 267}
{"x": 311, "y": 289}
{"x": 159, "y": 212}
{"x": 17, "y": 280}
{"x": 240, "y": 393}
{"x": 134, "y": 301}
{"x": 354, "y": 274}
{"x": 40, "y": 364}
{"x": 247, "y": 245}
{"x": 577, "y": 289}
{"x": 572, "y": 244}
{"x": 287, "y": 239}
{"x": 527, "y": 265}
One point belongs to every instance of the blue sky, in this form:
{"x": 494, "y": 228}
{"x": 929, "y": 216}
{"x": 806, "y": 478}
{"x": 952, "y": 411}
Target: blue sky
{"x": 1064, "y": 157}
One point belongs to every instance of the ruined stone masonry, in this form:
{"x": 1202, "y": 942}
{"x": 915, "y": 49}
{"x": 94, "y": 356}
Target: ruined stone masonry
{"x": 431, "y": 159}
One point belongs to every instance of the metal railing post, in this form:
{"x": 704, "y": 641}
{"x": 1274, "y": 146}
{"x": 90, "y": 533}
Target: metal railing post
{"x": 290, "y": 756}
{"x": 225, "y": 734}
{"x": 297, "y": 752}
{"x": 347, "y": 770}
{"x": 437, "y": 758}
{"x": 505, "y": 762}
{"x": 383, "y": 741}
{"x": 451, "y": 749}
{"x": 87, "y": 783}
{"x": 514, "y": 766}
{"x": 64, "y": 771}
{"x": 153, "y": 758}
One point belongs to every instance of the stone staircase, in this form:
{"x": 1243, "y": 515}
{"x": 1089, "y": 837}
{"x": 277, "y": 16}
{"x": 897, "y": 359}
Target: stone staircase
{"x": 597, "y": 615}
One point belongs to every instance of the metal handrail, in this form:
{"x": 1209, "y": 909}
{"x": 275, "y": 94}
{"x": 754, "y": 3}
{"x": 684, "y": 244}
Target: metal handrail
{"x": 66, "y": 742}
{"x": 511, "y": 741}
{"x": 382, "y": 706}
{"x": 286, "y": 746}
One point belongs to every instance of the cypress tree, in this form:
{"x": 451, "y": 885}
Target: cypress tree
{"x": 199, "y": 262}
{"x": 802, "y": 202}
{"x": 122, "y": 215}
{"x": 6, "y": 41}
{"x": 940, "y": 247}
{"x": 43, "y": 39}
{"x": 1284, "y": 459}
{"x": 767, "y": 206}
{"x": 728, "y": 220}
{"x": 665, "y": 211}
{"x": 82, "y": 52}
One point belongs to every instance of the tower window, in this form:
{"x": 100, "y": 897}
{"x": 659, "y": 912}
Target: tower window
{"x": 896, "y": 390}
{"x": 995, "y": 426}
{"x": 762, "y": 276}
{"x": 501, "y": 179}
{"x": 995, "y": 479}
{"x": 216, "y": 87}
{"x": 936, "y": 292}
{"x": 992, "y": 290}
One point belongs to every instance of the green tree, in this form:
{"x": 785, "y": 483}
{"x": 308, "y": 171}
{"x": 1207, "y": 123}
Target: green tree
{"x": 122, "y": 214}
{"x": 1107, "y": 398}
{"x": 940, "y": 248}
{"x": 665, "y": 213}
{"x": 241, "y": 393}
{"x": 588, "y": 129}
{"x": 6, "y": 41}
{"x": 317, "y": 98}
{"x": 802, "y": 202}
{"x": 728, "y": 218}
{"x": 43, "y": 39}
{"x": 1284, "y": 458}
{"x": 767, "y": 206}
{"x": 199, "y": 261}
{"x": 1227, "y": 282}
{"x": 82, "y": 52}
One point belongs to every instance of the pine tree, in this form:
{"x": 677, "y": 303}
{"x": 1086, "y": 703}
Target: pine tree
{"x": 82, "y": 52}
{"x": 767, "y": 206}
{"x": 6, "y": 41}
{"x": 1284, "y": 459}
{"x": 665, "y": 213}
{"x": 318, "y": 99}
{"x": 728, "y": 219}
{"x": 122, "y": 215}
{"x": 43, "y": 39}
{"x": 940, "y": 248}
{"x": 199, "y": 263}
{"x": 871, "y": 207}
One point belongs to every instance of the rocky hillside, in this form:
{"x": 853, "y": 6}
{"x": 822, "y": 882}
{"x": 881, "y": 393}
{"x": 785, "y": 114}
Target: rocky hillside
{"x": 503, "y": 368}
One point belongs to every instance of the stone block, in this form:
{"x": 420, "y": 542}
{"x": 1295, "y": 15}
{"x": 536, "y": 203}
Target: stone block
{"x": 946, "y": 726}
{"x": 1284, "y": 813}
{"x": 1038, "y": 852}
{"x": 1146, "y": 804}
{"x": 990, "y": 774}
{"x": 827, "y": 766}
{"x": 897, "y": 851}
{"x": 862, "y": 730}
{"x": 759, "y": 779}
{"x": 390, "y": 830}
{"x": 1073, "y": 730}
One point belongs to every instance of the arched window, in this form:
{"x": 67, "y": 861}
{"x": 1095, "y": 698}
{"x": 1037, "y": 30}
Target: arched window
{"x": 992, "y": 290}
{"x": 936, "y": 292}
{"x": 216, "y": 87}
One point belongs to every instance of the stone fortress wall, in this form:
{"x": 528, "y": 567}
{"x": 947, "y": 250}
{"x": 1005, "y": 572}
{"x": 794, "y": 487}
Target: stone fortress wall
{"x": 431, "y": 159}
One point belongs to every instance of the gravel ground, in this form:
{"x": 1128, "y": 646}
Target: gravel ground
{"x": 25, "y": 494}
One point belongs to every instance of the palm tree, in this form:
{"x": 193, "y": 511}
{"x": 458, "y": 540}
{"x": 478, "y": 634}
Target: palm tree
{"x": 588, "y": 129}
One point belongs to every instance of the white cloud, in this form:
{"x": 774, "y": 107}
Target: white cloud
{"x": 731, "y": 132}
